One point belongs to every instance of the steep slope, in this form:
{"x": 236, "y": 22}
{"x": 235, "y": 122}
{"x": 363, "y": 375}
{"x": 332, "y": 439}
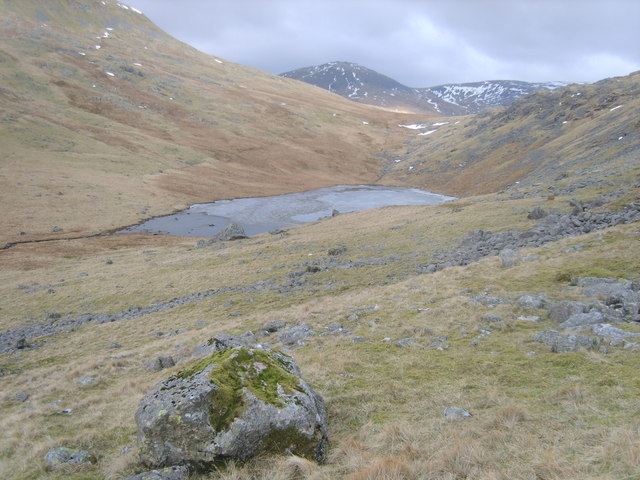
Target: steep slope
{"x": 107, "y": 120}
{"x": 557, "y": 139}
{"x": 364, "y": 85}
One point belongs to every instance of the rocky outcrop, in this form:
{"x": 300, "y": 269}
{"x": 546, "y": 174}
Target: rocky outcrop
{"x": 234, "y": 404}
{"x": 479, "y": 243}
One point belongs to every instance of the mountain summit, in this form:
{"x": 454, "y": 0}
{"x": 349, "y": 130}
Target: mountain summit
{"x": 364, "y": 85}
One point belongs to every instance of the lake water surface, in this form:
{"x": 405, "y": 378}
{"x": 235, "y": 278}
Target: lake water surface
{"x": 261, "y": 214}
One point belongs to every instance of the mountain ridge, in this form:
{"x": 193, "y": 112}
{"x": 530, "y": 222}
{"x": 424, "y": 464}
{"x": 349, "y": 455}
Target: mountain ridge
{"x": 364, "y": 85}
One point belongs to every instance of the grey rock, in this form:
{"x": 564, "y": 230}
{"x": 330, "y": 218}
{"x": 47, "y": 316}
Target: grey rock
{"x": 233, "y": 231}
{"x": 456, "y": 413}
{"x": 561, "y": 311}
{"x": 537, "y": 213}
{"x": 87, "y": 380}
{"x": 238, "y": 403}
{"x": 405, "y": 342}
{"x": 294, "y": 335}
{"x": 565, "y": 343}
{"x": 440, "y": 343}
{"x": 335, "y": 251}
{"x": 582, "y": 320}
{"x": 162, "y": 362}
{"x": 490, "y": 318}
{"x": 274, "y": 326}
{"x": 168, "y": 473}
{"x": 531, "y": 318}
{"x": 531, "y": 302}
{"x": 22, "y": 397}
{"x": 489, "y": 301}
{"x": 509, "y": 257}
{"x": 608, "y": 330}
{"x": 63, "y": 455}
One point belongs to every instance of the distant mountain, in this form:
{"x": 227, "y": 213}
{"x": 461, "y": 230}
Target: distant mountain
{"x": 477, "y": 96}
{"x": 364, "y": 85}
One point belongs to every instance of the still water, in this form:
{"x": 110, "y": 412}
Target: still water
{"x": 261, "y": 214}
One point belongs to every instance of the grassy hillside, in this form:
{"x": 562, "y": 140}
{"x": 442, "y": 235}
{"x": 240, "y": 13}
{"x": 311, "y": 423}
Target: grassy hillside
{"x": 180, "y": 127}
{"x": 100, "y": 108}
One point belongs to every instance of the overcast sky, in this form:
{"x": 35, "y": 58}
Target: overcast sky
{"x": 420, "y": 43}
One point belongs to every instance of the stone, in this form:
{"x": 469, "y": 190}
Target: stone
{"x": 87, "y": 380}
{"x": 276, "y": 325}
{"x": 561, "y": 311}
{"x": 405, "y": 342}
{"x": 491, "y": 318}
{"x": 233, "y": 231}
{"x": 169, "y": 473}
{"x": 582, "y": 320}
{"x": 22, "y": 397}
{"x": 162, "y": 362}
{"x": 537, "y": 213}
{"x": 607, "y": 330}
{"x": 63, "y": 455}
{"x": 566, "y": 343}
{"x": 509, "y": 257}
{"x": 233, "y": 405}
{"x": 456, "y": 413}
{"x": 295, "y": 335}
{"x": 531, "y": 302}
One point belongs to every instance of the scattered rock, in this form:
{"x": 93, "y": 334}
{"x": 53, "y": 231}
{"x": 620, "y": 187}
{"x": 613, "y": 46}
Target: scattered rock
{"x": 537, "y": 213}
{"x": 22, "y": 397}
{"x": 405, "y": 342}
{"x": 162, "y": 362}
{"x": 63, "y": 455}
{"x": 609, "y": 331}
{"x": 561, "y": 311}
{"x": 275, "y": 326}
{"x": 87, "y": 380}
{"x": 168, "y": 473}
{"x": 295, "y": 335}
{"x": 456, "y": 412}
{"x": 235, "y": 404}
{"x": 582, "y": 320}
{"x": 491, "y": 318}
{"x": 440, "y": 343}
{"x": 531, "y": 302}
{"x": 566, "y": 343}
{"x": 532, "y": 318}
{"x": 337, "y": 250}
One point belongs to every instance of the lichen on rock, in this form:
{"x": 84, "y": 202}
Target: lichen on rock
{"x": 235, "y": 403}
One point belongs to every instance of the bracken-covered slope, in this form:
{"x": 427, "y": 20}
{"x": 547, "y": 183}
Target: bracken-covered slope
{"x": 105, "y": 115}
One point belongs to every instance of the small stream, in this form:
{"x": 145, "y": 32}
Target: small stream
{"x": 262, "y": 214}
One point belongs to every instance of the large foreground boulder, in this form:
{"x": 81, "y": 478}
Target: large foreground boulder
{"x": 234, "y": 404}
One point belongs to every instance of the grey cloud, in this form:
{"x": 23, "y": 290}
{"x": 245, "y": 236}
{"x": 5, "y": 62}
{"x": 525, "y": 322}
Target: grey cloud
{"x": 419, "y": 43}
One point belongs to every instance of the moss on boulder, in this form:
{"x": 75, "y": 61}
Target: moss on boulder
{"x": 235, "y": 403}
